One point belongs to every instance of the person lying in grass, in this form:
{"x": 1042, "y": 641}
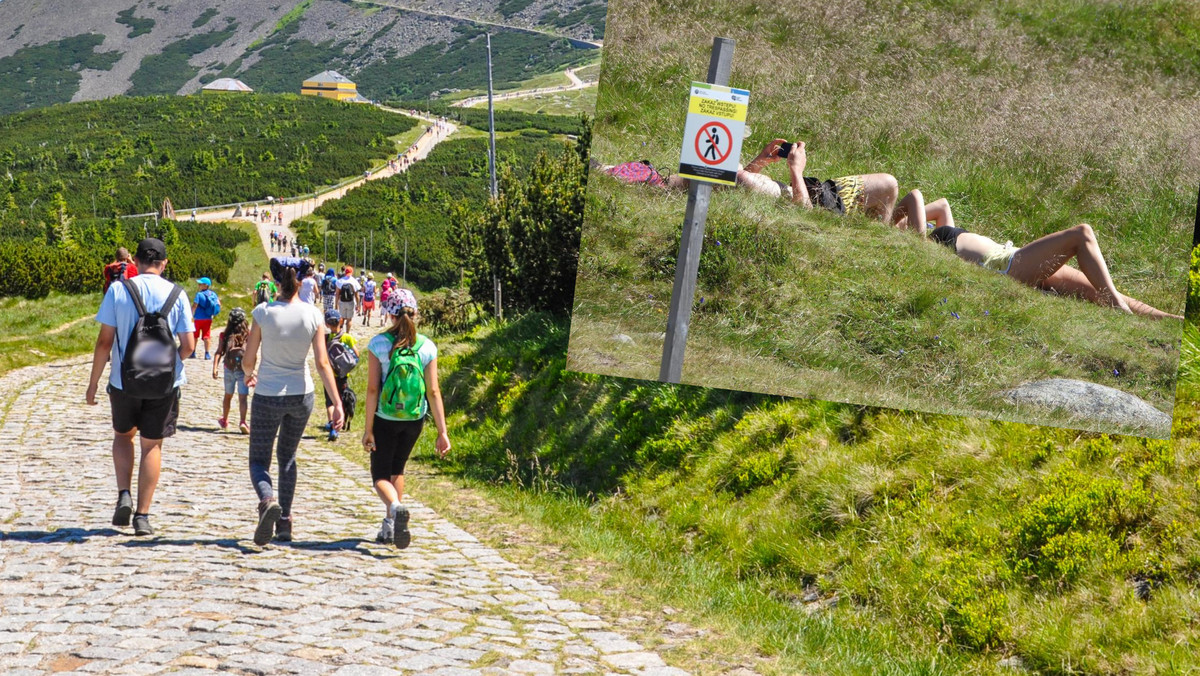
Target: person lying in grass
{"x": 1040, "y": 264}
{"x": 872, "y": 194}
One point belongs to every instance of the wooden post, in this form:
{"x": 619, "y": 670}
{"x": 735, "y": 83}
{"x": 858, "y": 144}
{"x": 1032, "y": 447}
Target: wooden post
{"x": 687, "y": 265}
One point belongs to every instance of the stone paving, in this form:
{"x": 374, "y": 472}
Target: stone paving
{"x": 80, "y": 596}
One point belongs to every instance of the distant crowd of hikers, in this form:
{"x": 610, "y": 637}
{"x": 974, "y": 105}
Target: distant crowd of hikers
{"x": 1041, "y": 264}
{"x": 300, "y": 309}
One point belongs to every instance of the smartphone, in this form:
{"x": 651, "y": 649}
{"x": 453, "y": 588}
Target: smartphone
{"x": 784, "y": 150}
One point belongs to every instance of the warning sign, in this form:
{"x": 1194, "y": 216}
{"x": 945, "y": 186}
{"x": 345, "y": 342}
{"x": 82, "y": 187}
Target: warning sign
{"x": 712, "y": 135}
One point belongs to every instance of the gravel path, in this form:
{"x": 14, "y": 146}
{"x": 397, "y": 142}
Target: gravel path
{"x": 77, "y": 595}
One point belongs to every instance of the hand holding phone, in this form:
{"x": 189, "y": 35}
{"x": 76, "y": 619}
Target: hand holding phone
{"x": 784, "y": 149}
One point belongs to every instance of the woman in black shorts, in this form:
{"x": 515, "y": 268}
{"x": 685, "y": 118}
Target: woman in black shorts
{"x": 402, "y": 389}
{"x": 1041, "y": 264}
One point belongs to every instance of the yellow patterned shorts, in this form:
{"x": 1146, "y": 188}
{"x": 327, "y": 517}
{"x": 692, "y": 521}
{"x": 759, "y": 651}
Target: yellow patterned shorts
{"x": 851, "y": 190}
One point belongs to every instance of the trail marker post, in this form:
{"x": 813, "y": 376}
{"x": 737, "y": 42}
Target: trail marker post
{"x": 712, "y": 143}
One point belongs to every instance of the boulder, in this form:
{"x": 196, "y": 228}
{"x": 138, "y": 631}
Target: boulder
{"x": 1089, "y": 402}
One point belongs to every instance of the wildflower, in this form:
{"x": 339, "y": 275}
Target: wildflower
{"x": 1116, "y": 372}
{"x": 955, "y": 314}
{"x": 985, "y": 313}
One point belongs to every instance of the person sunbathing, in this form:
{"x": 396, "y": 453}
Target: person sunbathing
{"x": 1040, "y": 264}
{"x": 872, "y": 194}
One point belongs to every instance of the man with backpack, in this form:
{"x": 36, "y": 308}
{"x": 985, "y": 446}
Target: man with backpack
{"x": 343, "y": 357}
{"x": 122, "y": 267}
{"x": 206, "y": 306}
{"x": 347, "y": 295}
{"x": 140, "y": 320}
{"x": 329, "y": 289}
{"x": 265, "y": 290}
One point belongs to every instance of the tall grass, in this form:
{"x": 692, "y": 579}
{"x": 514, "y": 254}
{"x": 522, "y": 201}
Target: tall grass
{"x": 1024, "y": 134}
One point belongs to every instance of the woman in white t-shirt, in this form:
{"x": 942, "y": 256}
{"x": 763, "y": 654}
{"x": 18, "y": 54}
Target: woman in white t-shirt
{"x": 283, "y": 397}
{"x": 402, "y": 389}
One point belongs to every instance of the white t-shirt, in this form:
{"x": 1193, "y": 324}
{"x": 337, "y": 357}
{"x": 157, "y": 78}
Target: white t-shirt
{"x": 381, "y": 347}
{"x": 309, "y": 289}
{"x": 287, "y": 336}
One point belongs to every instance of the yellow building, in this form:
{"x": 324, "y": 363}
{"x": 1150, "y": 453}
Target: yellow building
{"x": 331, "y": 85}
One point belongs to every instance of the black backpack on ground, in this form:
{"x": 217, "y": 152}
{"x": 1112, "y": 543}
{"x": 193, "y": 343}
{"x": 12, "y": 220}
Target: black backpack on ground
{"x": 148, "y": 367}
{"x": 825, "y": 194}
{"x": 347, "y": 293}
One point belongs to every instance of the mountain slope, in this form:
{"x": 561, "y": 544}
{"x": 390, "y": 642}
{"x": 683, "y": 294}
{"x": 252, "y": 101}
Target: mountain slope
{"x": 56, "y": 51}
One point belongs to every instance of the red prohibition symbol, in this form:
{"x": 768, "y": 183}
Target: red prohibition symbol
{"x": 713, "y": 143}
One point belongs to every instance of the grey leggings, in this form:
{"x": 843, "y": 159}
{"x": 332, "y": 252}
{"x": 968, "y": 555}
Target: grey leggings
{"x": 286, "y": 416}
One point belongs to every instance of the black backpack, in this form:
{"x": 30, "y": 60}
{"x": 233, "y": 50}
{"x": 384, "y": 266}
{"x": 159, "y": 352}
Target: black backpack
{"x": 347, "y": 292}
{"x": 148, "y": 368}
{"x": 825, "y": 194}
{"x": 329, "y": 286}
{"x": 263, "y": 294}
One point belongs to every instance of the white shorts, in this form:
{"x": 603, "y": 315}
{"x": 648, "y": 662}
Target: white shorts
{"x": 346, "y": 309}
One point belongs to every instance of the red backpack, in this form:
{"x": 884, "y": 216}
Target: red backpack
{"x": 114, "y": 272}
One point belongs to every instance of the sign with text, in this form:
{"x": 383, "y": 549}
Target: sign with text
{"x": 712, "y": 135}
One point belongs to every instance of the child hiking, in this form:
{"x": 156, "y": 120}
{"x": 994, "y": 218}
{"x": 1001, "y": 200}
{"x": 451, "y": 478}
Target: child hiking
{"x": 343, "y": 357}
{"x": 402, "y": 388}
{"x": 231, "y": 347}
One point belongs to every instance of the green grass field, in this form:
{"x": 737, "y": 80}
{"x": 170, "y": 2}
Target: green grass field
{"x": 1025, "y": 125}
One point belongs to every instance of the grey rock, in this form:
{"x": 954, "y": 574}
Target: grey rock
{"x": 1092, "y": 404}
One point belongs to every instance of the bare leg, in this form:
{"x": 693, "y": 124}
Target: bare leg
{"x": 879, "y": 195}
{"x": 1067, "y": 281}
{"x": 122, "y": 453}
{"x": 1037, "y": 261}
{"x": 225, "y": 406}
{"x": 242, "y": 407}
{"x": 910, "y": 213}
{"x": 939, "y": 212}
{"x": 386, "y": 490}
{"x": 148, "y": 473}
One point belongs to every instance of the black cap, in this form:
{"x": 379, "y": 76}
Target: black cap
{"x": 151, "y": 250}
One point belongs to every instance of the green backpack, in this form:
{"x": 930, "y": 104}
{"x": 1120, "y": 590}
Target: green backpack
{"x": 403, "y": 396}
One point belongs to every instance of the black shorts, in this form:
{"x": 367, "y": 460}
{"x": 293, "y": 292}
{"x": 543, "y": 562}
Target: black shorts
{"x": 153, "y": 418}
{"x": 341, "y": 385}
{"x": 394, "y": 441}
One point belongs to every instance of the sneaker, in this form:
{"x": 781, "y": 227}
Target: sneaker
{"x": 208, "y": 356}
{"x": 283, "y": 529}
{"x": 385, "y": 531}
{"x": 333, "y": 435}
{"x": 268, "y": 514}
{"x": 244, "y": 428}
{"x": 141, "y": 525}
{"x": 223, "y": 423}
{"x": 327, "y": 427}
{"x": 124, "y": 509}
{"x": 400, "y": 535}
{"x": 193, "y": 356}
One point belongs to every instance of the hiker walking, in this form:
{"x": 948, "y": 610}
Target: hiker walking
{"x": 402, "y": 388}
{"x": 386, "y": 289}
{"x": 231, "y": 348}
{"x": 329, "y": 289}
{"x": 347, "y": 295}
{"x": 206, "y": 306}
{"x": 343, "y": 357}
{"x": 368, "y": 299}
{"x": 140, "y": 319}
{"x": 310, "y": 290}
{"x": 265, "y": 290}
{"x": 285, "y": 330}
{"x": 122, "y": 267}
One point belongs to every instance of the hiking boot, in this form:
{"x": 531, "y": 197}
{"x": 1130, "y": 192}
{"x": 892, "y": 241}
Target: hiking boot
{"x": 124, "y": 509}
{"x": 268, "y": 514}
{"x": 141, "y": 525}
{"x": 283, "y": 529}
{"x": 400, "y": 535}
{"x": 386, "y": 531}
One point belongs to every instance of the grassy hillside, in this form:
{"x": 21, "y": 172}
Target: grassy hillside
{"x": 421, "y": 204}
{"x": 838, "y": 539}
{"x": 1025, "y": 127}
{"x": 125, "y": 155}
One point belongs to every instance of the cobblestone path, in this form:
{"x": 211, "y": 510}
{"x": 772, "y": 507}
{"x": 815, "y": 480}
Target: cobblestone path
{"x": 199, "y": 598}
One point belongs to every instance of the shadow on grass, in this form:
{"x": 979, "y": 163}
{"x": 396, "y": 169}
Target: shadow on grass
{"x": 605, "y": 428}
{"x": 60, "y": 535}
